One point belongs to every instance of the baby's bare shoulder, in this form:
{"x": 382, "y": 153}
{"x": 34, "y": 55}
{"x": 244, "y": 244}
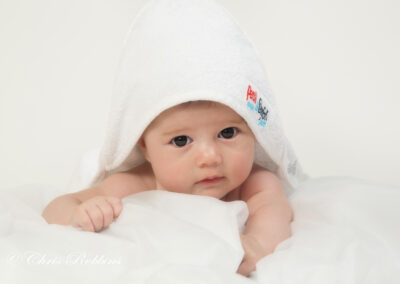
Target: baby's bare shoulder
{"x": 259, "y": 180}
{"x": 119, "y": 185}
{"x": 129, "y": 182}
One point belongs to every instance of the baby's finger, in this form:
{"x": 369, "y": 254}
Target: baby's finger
{"x": 245, "y": 268}
{"x": 96, "y": 216}
{"x": 108, "y": 212}
{"x": 116, "y": 205}
{"x": 82, "y": 220}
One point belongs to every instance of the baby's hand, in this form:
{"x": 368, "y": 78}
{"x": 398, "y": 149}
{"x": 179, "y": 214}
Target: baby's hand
{"x": 253, "y": 252}
{"x": 96, "y": 213}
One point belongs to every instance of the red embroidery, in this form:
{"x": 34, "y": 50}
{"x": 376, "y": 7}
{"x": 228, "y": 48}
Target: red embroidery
{"x": 252, "y": 94}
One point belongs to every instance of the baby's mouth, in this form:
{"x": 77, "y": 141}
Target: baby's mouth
{"x": 211, "y": 180}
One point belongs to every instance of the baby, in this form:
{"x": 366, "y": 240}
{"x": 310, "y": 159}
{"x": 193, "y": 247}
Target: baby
{"x": 192, "y": 113}
{"x": 200, "y": 147}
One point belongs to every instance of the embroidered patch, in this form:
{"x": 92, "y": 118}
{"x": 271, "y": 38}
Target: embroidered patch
{"x": 257, "y": 106}
{"x": 292, "y": 168}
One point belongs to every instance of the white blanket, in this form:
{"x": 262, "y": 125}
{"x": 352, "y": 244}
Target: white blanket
{"x": 345, "y": 231}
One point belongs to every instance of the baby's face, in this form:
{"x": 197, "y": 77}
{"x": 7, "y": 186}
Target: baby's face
{"x": 188, "y": 144}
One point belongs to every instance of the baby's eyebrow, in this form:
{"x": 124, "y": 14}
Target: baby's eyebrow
{"x": 178, "y": 130}
{"x": 238, "y": 121}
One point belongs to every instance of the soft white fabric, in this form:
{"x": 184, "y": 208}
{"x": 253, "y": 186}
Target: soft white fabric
{"x": 85, "y": 171}
{"x": 183, "y": 50}
{"x": 160, "y": 237}
{"x": 345, "y": 231}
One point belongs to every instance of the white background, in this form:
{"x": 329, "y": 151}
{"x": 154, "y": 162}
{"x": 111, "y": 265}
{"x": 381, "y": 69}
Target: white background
{"x": 333, "y": 65}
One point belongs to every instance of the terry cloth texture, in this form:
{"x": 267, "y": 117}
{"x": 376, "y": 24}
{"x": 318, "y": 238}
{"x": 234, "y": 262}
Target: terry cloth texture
{"x": 186, "y": 50}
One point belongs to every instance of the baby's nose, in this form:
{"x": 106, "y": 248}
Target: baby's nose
{"x": 208, "y": 156}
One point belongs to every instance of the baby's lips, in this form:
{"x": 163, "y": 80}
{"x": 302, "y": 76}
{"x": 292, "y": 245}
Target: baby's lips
{"x": 211, "y": 179}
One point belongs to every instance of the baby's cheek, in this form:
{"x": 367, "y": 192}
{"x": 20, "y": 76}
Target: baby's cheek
{"x": 243, "y": 166}
{"x": 171, "y": 179}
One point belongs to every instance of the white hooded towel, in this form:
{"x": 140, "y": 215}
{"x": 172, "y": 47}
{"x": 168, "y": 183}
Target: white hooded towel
{"x": 187, "y": 50}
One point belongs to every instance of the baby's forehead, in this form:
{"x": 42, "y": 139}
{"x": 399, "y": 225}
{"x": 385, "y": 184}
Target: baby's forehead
{"x": 187, "y": 111}
{"x": 190, "y": 108}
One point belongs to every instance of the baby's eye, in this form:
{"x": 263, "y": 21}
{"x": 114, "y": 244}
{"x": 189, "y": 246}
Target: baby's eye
{"x": 228, "y": 133}
{"x": 181, "y": 141}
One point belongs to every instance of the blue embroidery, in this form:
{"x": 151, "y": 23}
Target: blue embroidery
{"x": 262, "y": 123}
{"x": 256, "y": 105}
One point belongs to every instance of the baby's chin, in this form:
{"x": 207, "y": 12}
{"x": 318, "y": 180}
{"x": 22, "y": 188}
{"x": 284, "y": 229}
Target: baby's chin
{"x": 212, "y": 192}
{"x": 208, "y": 193}
{"x": 216, "y": 191}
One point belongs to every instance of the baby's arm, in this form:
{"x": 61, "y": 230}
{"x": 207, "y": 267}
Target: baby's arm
{"x": 269, "y": 219}
{"x": 94, "y": 208}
